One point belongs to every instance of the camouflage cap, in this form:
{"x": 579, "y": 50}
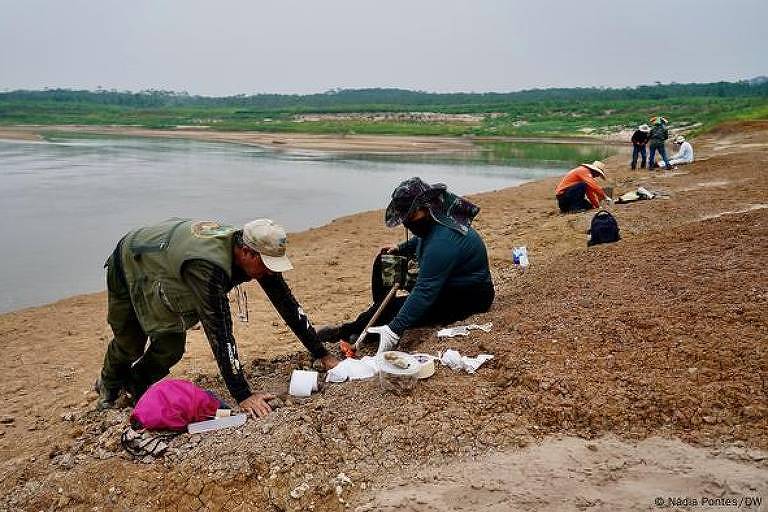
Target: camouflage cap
{"x": 269, "y": 240}
{"x": 407, "y": 197}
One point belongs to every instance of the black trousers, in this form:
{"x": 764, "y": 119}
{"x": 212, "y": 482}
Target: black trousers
{"x": 574, "y": 199}
{"x": 452, "y": 304}
{"x": 128, "y": 361}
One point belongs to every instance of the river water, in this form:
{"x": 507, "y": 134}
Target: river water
{"x": 66, "y": 202}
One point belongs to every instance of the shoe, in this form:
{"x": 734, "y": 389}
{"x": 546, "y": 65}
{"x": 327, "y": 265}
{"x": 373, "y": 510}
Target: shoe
{"x": 329, "y": 334}
{"x": 107, "y": 396}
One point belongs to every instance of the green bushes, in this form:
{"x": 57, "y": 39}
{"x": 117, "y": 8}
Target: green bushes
{"x": 579, "y": 111}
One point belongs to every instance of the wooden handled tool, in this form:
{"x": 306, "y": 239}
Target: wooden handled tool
{"x": 350, "y": 350}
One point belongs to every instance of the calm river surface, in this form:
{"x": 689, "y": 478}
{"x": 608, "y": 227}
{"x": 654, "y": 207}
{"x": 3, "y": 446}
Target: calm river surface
{"x": 67, "y": 201}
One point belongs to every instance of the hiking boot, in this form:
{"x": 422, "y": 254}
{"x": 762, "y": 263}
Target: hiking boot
{"x": 107, "y": 396}
{"x": 329, "y": 334}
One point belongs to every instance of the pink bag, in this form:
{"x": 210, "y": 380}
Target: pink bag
{"x": 172, "y": 404}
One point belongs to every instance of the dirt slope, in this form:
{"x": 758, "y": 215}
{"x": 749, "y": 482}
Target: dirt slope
{"x": 662, "y": 334}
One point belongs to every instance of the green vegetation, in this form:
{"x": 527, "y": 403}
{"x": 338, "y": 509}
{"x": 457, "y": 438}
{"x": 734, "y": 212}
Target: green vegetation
{"x": 577, "y": 111}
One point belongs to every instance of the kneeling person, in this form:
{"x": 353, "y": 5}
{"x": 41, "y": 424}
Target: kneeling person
{"x": 579, "y": 190}
{"x": 163, "y": 279}
{"x": 684, "y": 153}
{"x": 453, "y": 282}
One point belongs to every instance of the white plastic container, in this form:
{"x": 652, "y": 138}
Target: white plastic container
{"x": 427, "y": 363}
{"x": 394, "y": 377}
{"x": 303, "y": 383}
{"x": 520, "y": 257}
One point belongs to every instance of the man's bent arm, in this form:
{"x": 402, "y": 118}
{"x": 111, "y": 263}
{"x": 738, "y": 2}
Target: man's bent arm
{"x": 210, "y": 284}
{"x": 284, "y": 302}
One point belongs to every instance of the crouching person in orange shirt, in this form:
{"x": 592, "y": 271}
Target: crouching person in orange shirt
{"x": 579, "y": 191}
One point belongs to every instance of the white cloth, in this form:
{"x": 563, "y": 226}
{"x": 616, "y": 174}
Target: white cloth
{"x": 387, "y": 338}
{"x": 353, "y": 369}
{"x": 683, "y": 156}
{"x": 463, "y": 330}
{"x": 455, "y": 361}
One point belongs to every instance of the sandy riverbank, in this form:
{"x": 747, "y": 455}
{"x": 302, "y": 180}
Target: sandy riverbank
{"x": 275, "y": 141}
{"x": 662, "y": 334}
{"x": 19, "y": 133}
{"x": 368, "y": 144}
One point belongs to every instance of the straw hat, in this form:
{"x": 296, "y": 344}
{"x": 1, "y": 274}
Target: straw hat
{"x": 679, "y": 139}
{"x": 597, "y": 166}
{"x": 644, "y": 128}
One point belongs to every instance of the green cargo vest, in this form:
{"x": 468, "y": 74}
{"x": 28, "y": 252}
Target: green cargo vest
{"x": 153, "y": 257}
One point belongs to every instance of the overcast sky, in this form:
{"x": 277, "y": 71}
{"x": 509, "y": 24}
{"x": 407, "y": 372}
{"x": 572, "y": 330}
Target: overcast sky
{"x": 288, "y": 46}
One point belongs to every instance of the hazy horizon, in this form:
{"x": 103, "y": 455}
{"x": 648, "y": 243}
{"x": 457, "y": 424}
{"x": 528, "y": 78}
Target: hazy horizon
{"x": 294, "y": 47}
{"x": 367, "y": 88}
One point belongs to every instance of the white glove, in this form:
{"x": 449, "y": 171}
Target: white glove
{"x": 387, "y": 338}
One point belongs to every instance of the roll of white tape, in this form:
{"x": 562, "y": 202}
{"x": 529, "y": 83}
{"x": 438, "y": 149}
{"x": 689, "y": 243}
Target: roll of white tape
{"x": 427, "y": 363}
{"x": 303, "y": 383}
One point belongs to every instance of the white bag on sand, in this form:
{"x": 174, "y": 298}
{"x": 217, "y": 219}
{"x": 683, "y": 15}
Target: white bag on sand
{"x": 455, "y": 361}
{"x": 520, "y": 256}
{"x": 463, "y": 330}
{"x": 353, "y": 369}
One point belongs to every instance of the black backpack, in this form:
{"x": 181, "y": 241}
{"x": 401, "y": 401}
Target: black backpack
{"x": 604, "y": 229}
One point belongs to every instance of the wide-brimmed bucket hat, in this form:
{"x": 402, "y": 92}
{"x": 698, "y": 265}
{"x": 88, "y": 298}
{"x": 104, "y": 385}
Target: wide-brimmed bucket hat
{"x": 410, "y": 195}
{"x": 444, "y": 207}
{"x": 679, "y": 139}
{"x": 644, "y": 128}
{"x": 597, "y": 166}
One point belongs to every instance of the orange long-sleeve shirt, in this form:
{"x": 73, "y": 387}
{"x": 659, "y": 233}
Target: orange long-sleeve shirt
{"x": 581, "y": 173}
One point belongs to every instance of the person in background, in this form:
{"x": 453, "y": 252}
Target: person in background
{"x": 639, "y": 141}
{"x": 659, "y": 135}
{"x": 164, "y": 278}
{"x": 684, "y": 153}
{"x": 579, "y": 190}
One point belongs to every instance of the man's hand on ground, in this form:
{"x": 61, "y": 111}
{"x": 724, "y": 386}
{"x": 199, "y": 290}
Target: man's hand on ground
{"x": 256, "y": 404}
{"x": 329, "y": 361}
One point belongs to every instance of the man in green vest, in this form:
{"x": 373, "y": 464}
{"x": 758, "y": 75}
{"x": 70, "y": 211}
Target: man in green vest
{"x": 163, "y": 279}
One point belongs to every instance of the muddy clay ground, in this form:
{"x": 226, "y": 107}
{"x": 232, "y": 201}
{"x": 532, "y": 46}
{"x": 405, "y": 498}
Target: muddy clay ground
{"x": 623, "y": 373}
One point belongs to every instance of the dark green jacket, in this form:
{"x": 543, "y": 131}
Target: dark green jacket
{"x": 659, "y": 134}
{"x": 152, "y": 260}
